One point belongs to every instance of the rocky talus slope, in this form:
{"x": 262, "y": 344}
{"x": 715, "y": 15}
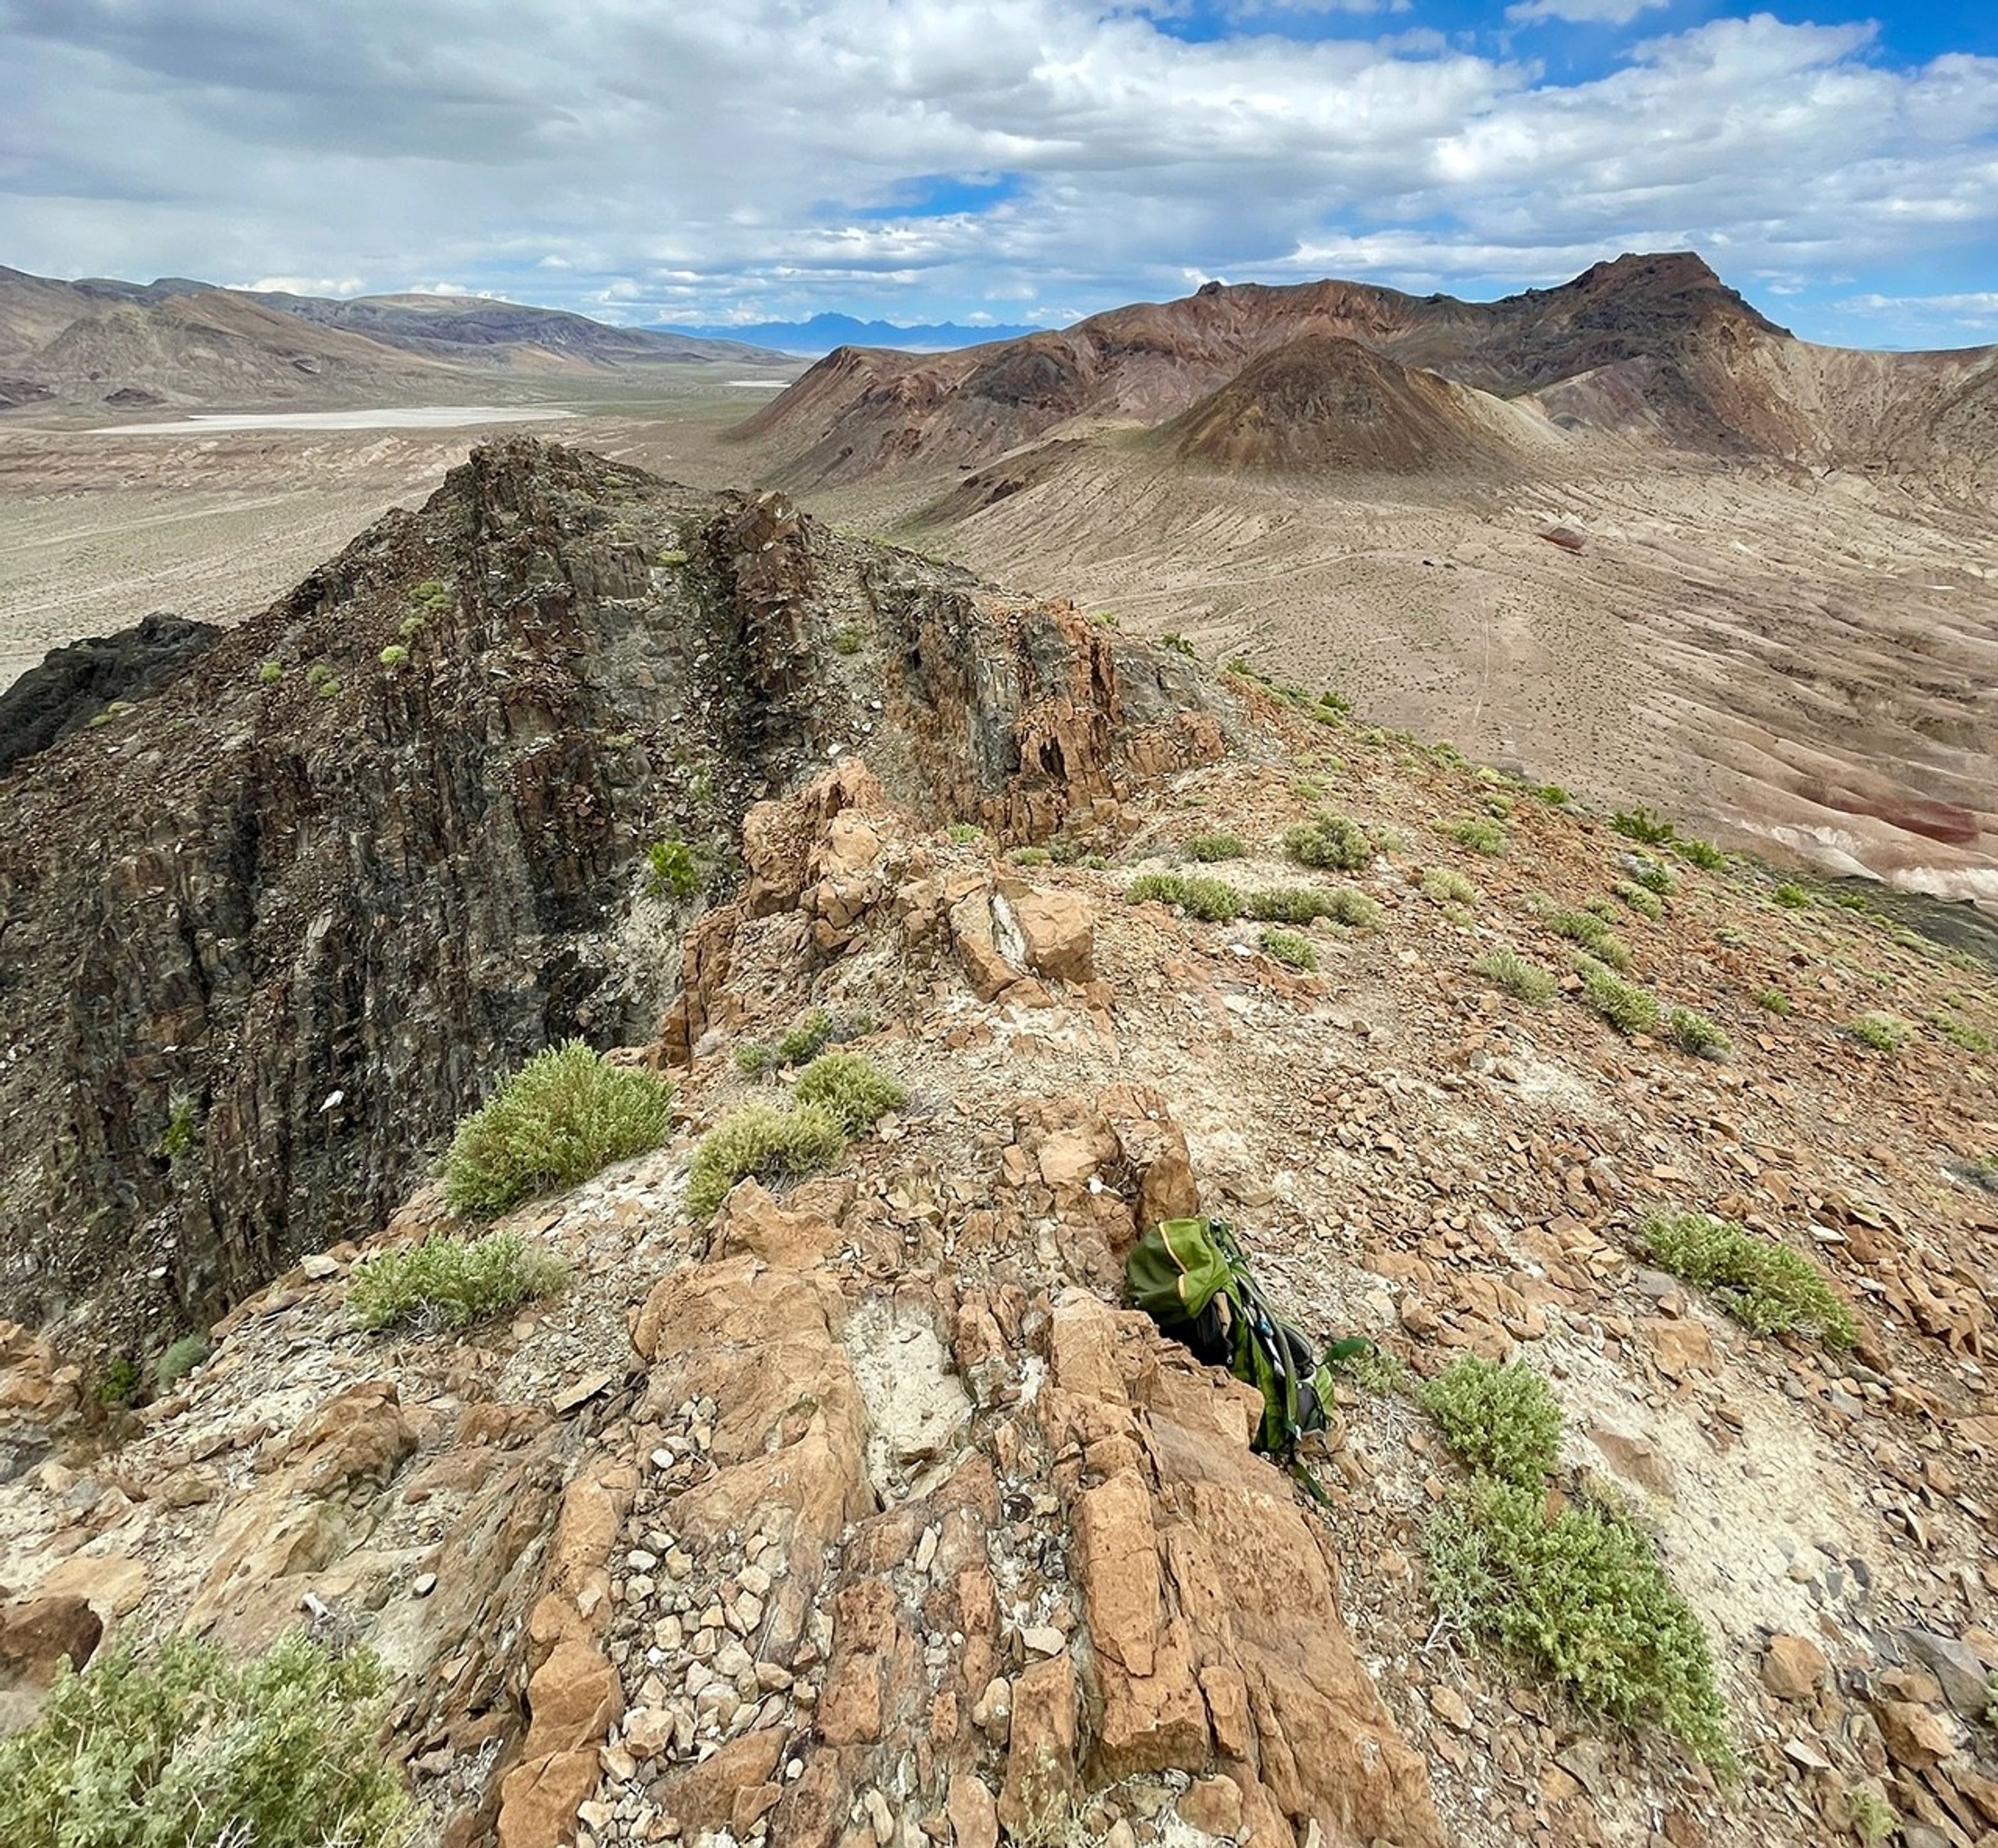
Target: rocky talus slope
{"x": 864, "y": 1514}
{"x": 384, "y": 841}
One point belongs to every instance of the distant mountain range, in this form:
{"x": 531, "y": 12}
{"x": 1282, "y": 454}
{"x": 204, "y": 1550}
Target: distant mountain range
{"x": 823, "y": 332}
{"x": 178, "y": 342}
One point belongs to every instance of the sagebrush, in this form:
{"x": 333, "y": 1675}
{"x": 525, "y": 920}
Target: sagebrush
{"x": 1521, "y": 978}
{"x": 1329, "y": 839}
{"x": 1763, "y": 1285}
{"x": 768, "y": 1144}
{"x": 852, "y": 1088}
{"x": 563, "y": 1116}
{"x": 453, "y": 1281}
{"x": 1499, "y": 1421}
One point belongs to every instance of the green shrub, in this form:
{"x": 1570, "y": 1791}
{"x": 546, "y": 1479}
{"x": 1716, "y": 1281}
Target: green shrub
{"x": 1960, "y": 1032}
{"x": 1442, "y": 886}
{"x": 176, "y": 1749}
{"x": 1213, "y": 901}
{"x": 432, "y": 593}
{"x": 1498, "y": 807}
{"x": 852, "y": 1088}
{"x": 1771, "y": 1000}
{"x": 1030, "y": 856}
{"x": 754, "y": 1060}
{"x": 1551, "y": 793}
{"x": 181, "y": 1359}
{"x": 563, "y": 1116}
{"x": 1523, "y": 980}
{"x": 182, "y": 1137}
{"x": 1606, "y": 909}
{"x": 1792, "y": 897}
{"x": 268, "y": 673}
{"x": 1476, "y": 832}
{"x": 1696, "y": 852}
{"x": 318, "y": 674}
{"x": 1288, "y": 947}
{"x": 1179, "y": 644}
{"x": 675, "y": 870}
{"x": 1593, "y": 935}
{"x": 1580, "y": 1598}
{"x": 1329, "y": 841}
{"x": 394, "y": 655}
{"x": 812, "y": 1032}
{"x": 1696, "y": 1034}
{"x": 1653, "y": 875}
{"x": 1624, "y": 1005}
{"x": 1640, "y": 824}
{"x": 328, "y": 689}
{"x": 1644, "y": 903}
{"x": 964, "y": 833}
{"x": 1499, "y": 1421}
{"x": 671, "y": 558}
{"x": 1883, "y": 1032}
{"x": 1306, "y": 904}
{"x": 1764, "y": 1286}
{"x": 1209, "y": 847}
{"x": 849, "y": 639}
{"x": 770, "y": 1144}
{"x": 455, "y": 1282}
{"x": 410, "y": 627}
{"x": 119, "y": 1383}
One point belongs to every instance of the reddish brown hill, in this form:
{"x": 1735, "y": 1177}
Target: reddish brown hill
{"x": 1656, "y": 348}
{"x": 1323, "y": 402}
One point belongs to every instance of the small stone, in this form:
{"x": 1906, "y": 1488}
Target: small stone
{"x": 1214, "y": 1807}
{"x": 1450, "y": 1707}
{"x": 993, "y": 1710}
{"x": 880, "y": 1818}
{"x": 1043, "y": 1639}
{"x": 1913, "y": 1736}
{"x": 1793, "y": 1667}
{"x": 425, "y": 1584}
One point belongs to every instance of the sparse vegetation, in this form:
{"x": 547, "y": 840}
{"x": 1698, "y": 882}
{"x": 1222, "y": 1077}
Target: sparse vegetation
{"x": 1593, "y": 934}
{"x": 177, "y": 1749}
{"x": 1342, "y": 905}
{"x": 1873, "y": 1819}
{"x": 813, "y": 1032}
{"x": 1765, "y": 1286}
{"x": 1696, "y": 1034}
{"x": 674, "y": 869}
{"x": 1792, "y": 897}
{"x": 1640, "y": 824}
{"x": 118, "y": 1384}
{"x": 754, "y": 1060}
{"x": 853, "y": 1089}
{"x": 1523, "y": 979}
{"x": 1209, "y": 847}
{"x": 1030, "y": 856}
{"x": 1212, "y": 900}
{"x": 1654, "y": 875}
{"x": 769, "y": 1144}
{"x": 1624, "y": 1005}
{"x": 1179, "y": 644}
{"x": 563, "y": 1115}
{"x": 269, "y": 673}
{"x": 669, "y": 558}
{"x": 182, "y": 1137}
{"x": 1479, "y": 835}
{"x": 1644, "y": 903}
{"x": 1499, "y": 1421}
{"x": 1771, "y": 1000}
{"x": 1695, "y": 852}
{"x": 1329, "y": 839}
{"x": 1289, "y": 948}
{"x": 180, "y": 1359}
{"x": 1580, "y": 1596}
{"x": 1443, "y": 887}
{"x": 410, "y": 626}
{"x": 964, "y": 833}
{"x": 1960, "y": 1032}
{"x": 1884, "y": 1032}
{"x": 849, "y": 638}
{"x": 453, "y": 1281}
{"x": 394, "y": 656}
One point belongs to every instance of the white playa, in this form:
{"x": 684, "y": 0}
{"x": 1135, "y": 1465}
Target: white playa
{"x": 419, "y": 417}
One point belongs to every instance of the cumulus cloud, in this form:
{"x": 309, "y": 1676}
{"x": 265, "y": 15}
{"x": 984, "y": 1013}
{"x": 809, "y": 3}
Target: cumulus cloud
{"x": 754, "y": 158}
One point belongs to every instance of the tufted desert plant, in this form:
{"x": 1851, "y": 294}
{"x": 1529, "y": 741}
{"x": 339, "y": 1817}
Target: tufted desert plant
{"x": 1211, "y": 900}
{"x": 1883, "y": 1032}
{"x": 1593, "y": 933}
{"x": 1696, "y": 1034}
{"x": 563, "y": 1115}
{"x": 180, "y": 1359}
{"x": 1765, "y": 1286}
{"x": 770, "y": 1144}
{"x": 1624, "y": 1005}
{"x": 852, "y": 1088}
{"x": 450, "y": 1281}
{"x": 1479, "y": 834}
{"x": 1289, "y": 948}
{"x": 1442, "y": 886}
{"x": 175, "y": 1748}
{"x": 1518, "y": 975}
{"x": 1329, "y": 839}
{"x": 1499, "y": 1421}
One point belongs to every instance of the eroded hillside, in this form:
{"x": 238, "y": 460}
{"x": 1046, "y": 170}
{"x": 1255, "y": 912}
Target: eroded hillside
{"x": 864, "y": 1513}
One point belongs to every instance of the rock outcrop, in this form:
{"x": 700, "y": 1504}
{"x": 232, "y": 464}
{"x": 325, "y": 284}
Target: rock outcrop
{"x": 266, "y": 937}
{"x": 74, "y": 684}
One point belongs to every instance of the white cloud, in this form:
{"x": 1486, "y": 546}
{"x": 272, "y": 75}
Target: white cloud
{"x": 750, "y": 158}
{"x": 1604, "y": 12}
{"x": 305, "y": 285}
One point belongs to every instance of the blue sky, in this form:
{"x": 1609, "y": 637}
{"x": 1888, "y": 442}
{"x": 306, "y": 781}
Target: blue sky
{"x": 1019, "y": 160}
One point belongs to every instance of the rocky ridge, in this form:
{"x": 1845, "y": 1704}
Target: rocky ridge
{"x": 866, "y": 1515}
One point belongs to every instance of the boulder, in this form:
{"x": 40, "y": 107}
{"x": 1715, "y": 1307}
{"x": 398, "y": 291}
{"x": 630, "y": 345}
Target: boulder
{"x": 38, "y": 1634}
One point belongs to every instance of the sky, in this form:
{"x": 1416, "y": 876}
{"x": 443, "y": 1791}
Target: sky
{"x": 1024, "y": 160}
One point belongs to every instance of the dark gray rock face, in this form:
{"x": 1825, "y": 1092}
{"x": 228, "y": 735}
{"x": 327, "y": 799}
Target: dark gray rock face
{"x": 384, "y": 841}
{"x": 74, "y": 684}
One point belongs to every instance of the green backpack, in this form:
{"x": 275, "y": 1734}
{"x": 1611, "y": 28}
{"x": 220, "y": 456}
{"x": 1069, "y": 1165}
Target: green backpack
{"x": 1191, "y": 1278}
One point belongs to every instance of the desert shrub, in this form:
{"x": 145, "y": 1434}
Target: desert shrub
{"x": 1442, "y": 886}
{"x": 1606, "y": 908}
{"x": 452, "y": 1281}
{"x": 1624, "y": 1005}
{"x": 1580, "y": 1597}
{"x": 1551, "y": 793}
{"x": 1499, "y": 1421}
{"x": 1792, "y": 897}
{"x": 1654, "y": 875}
{"x": 671, "y": 558}
{"x": 181, "y": 1358}
{"x": 1883, "y": 1032}
{"x": 1703, "y": 854}
{"x": 1030, "y": 856}
{"x": 119, "y": 1383}
{"x": 1179, "y": 644}
{"x": 1287, "y": 904}
{"x": 268, "y": 673}
{"x": 182, "y": 1135}
{"x": 1498, "y": 807}
{"x": 1771, "y": 1000}
{"x": 1213, "y": 901}
{"x": 410, "y": 626}
{"x": 318, "y": 674}
{"x": 1523, "y": 979}
{"x": 964, "y": 833}
{"x": 852, "y": 1088}
{"x": 1592, "y": 934}
{"x": 1696, "y": 1034}
{"x": 754, "y": 1060}
{"x": 1481, "y": 835}
{"x": 1644, "y": 903}
{"x": 564, "y": 1115}
{"x": 1330, "y": 841}
{"x": 1960, "y": 1032}
{"x": 1288, "y": 947}
{"x": 394, "y": 655}
{"x": 675, "y": 870}
{"x": 177, "y": 1749}
{"x": 328, "y": 689}
{"x": 1763, "y": 1285}
{"x": 1640, "y": 824}
{"x": 806, "y": 1039}
{"x": 849, "y": 639}
{"x": 770, "y": 1144}
{"x": 1209, "y": 847}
